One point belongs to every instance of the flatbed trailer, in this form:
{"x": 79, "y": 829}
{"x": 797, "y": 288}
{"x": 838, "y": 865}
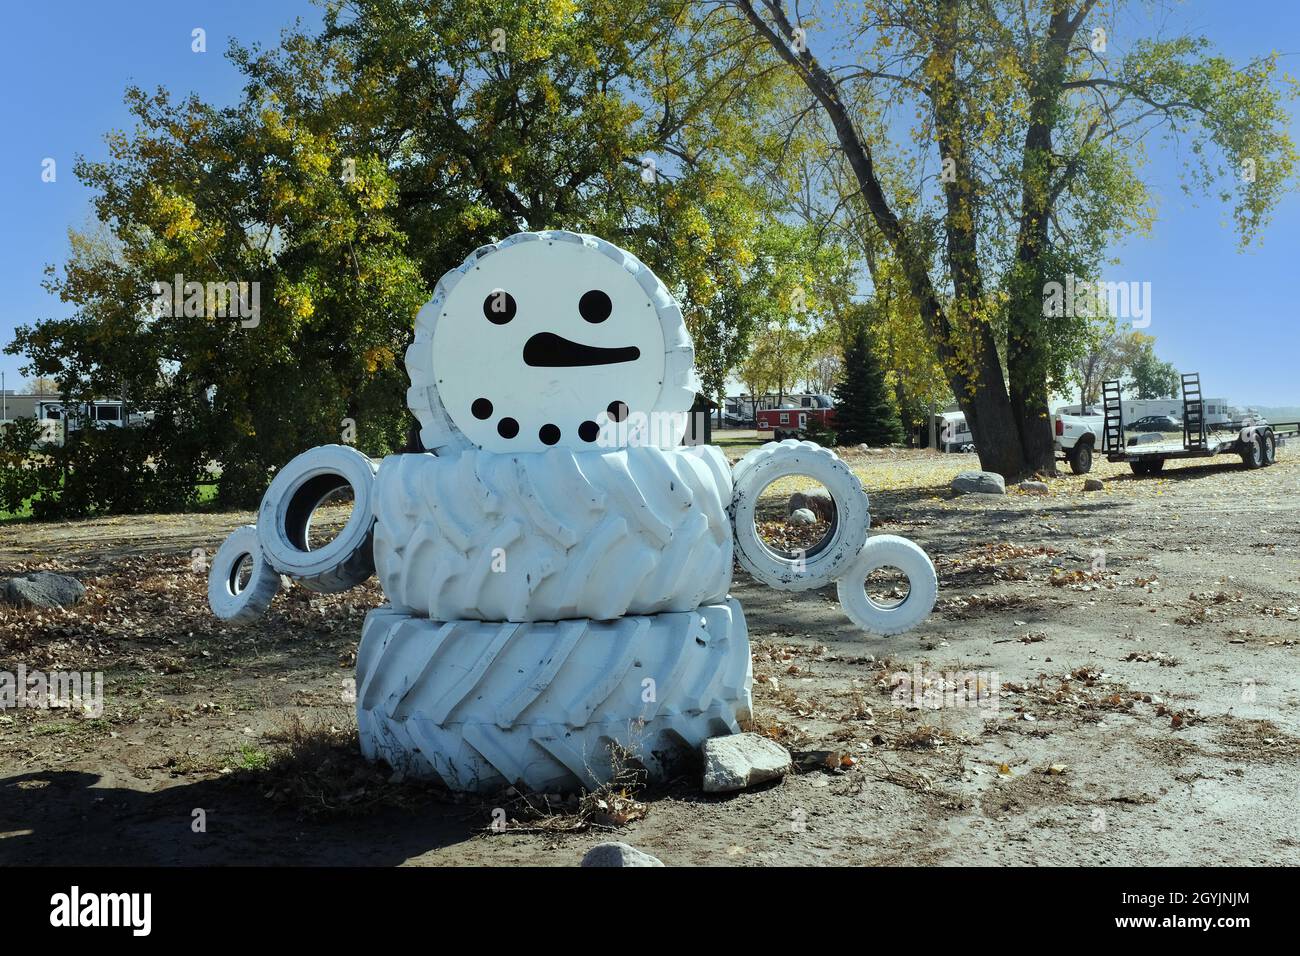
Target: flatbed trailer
{"x": 1253, "y": 439}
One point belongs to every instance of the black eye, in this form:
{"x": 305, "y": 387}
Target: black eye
{"x": 595, "y": 306}
{"x": 499, "y": 307}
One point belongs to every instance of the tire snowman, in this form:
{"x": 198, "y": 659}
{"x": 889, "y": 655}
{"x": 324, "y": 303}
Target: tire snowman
{"x": 557, "y": 564}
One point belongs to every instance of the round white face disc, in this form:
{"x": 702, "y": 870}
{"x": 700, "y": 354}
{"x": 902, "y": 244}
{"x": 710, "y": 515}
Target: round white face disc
{"x": 545, "y": 344}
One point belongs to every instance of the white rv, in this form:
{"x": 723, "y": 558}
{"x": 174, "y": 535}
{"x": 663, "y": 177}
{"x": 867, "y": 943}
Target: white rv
{"x": 102, "y": 413}
{"x": 953, "y": 433}
{"x": 1216, "y": 410}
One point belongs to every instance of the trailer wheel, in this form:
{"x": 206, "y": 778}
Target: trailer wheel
{"x": 1252, "y": 452}
{"x": 1081, "y": 458}
{"x": 1269, "y": 442}
{"x": 1150, "y": 466}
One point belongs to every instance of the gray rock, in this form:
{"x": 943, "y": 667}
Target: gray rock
{"x": 1034, "y": 487}
{"x": 979, "y": 482}
{"x": 801, "y": 516}
{"x": 817, "y": 500}
{"x": 618, "y": 854}
{"x": 42, "y": 589}
{"x": 742, "y": 760}
{"x": 1093, "y": 484}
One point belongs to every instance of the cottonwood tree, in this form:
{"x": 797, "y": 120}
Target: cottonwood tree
{"x": 370, "y": 156}
{"x": 1030, "y": 119}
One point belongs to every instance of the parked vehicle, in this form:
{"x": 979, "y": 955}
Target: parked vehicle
{"x": 1155, "y": 423}
{"x": 1252, "y": 438}
{"x": 953, "y": 433}
{"x": 793, "y": 417}
{"x": 1077, "y": 437}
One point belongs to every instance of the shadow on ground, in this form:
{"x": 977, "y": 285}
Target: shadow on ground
{"x": 70, "y": 818}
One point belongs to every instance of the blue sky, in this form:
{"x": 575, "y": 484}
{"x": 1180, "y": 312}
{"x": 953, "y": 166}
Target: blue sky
{"x": 1230, "y": 315}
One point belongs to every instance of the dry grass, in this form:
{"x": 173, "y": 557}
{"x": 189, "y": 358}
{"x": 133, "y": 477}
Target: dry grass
{"x": 315, "y": 767}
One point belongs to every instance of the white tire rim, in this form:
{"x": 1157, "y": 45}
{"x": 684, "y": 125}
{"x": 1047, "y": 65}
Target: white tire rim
{"x": 833, "y": 554}
{"x": 228, "y": 600}
{"x": 674, "y": 392}
{"x": 889, "y": 551}
{"x": 284, "y": 519}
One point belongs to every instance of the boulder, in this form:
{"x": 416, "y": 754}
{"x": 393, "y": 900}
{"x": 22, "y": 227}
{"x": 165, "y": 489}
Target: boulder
{"x": 818, "y": 501}
{"x": 1093, "y": 484}
{"x": 979, "y": 482}
{"x": 801, "y": 516}
{"x": 742, "y": 760}
{"x": 618, "y": 854}
{"x": 42, "y": 589}
{"x": 1033, "y": 487}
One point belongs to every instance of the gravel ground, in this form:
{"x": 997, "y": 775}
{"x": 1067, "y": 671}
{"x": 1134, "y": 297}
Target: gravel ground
{"x": 1135, "y": 648}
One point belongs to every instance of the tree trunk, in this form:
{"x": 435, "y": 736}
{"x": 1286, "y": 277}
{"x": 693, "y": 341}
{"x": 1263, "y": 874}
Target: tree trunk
{"x": 1027, "y": 358}
{"x": 983, "y": 395}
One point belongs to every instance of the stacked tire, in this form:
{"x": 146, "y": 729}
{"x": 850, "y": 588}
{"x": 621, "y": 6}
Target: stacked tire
{"x": 548, "y": 611}
{"x": 554, "y": 612}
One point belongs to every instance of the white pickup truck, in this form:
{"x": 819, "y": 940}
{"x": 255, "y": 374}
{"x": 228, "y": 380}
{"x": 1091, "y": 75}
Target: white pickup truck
{"x": 1077, "y": 437}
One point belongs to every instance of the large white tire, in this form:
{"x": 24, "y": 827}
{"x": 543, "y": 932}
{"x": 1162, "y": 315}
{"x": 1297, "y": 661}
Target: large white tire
{"x": 568, "y": 259}
{"x": 889, "y": 551}
{"x": 284, "y": 519}
{"x": 227, "y": 599}
{"x": 830, "y": 557}
{"x": 480, "y": 705}
{"x": 474, "y": 535}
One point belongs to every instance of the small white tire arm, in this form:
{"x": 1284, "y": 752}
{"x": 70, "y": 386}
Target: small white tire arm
{"x": 889, "y": 551}
{"x": 229, "y": 601}
{"x": 831, "y": 556}
{"x": 284, "y": 519}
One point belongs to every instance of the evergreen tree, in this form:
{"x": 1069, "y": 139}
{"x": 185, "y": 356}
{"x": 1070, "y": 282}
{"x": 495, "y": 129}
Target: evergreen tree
{"x": 863, "y": 413}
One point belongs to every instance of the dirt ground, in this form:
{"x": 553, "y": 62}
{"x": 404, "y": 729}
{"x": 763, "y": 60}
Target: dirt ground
{"x": 1139, "y": 645}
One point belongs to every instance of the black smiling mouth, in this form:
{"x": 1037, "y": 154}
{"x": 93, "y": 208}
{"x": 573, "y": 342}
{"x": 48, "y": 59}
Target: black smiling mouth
{"x": 548, "y": 350}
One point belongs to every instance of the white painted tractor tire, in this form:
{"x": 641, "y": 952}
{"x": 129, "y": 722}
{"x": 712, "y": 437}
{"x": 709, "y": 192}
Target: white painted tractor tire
{"x": 284, "y": 519}
{"x": 675, "y": 389}
{"x": 889, "y": 551}
{"x": 831, "y": 556}
{"x": 479, "y": 705}
{"x": 228, "y": 600}
{"x": 474, "y": 535}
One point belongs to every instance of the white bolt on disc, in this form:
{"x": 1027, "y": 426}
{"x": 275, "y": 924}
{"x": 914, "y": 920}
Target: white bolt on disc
{"x": 550, "y": 339}
{"x": 284, "y": 519}
{"x": 482, "y": 704}
{"x": 830, "y": 557}
{"x": 889, "y": 551}
{"x": 228, "y": 599}
{"x": 474, "y": 535}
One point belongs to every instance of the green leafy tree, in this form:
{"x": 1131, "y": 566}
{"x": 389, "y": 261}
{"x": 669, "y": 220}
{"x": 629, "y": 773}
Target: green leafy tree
{"x": 1024, "y": 164}
{"x": 863, "y": 411}
{"x": 363, "y": 161}
{"x": 1148, "y": 376}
